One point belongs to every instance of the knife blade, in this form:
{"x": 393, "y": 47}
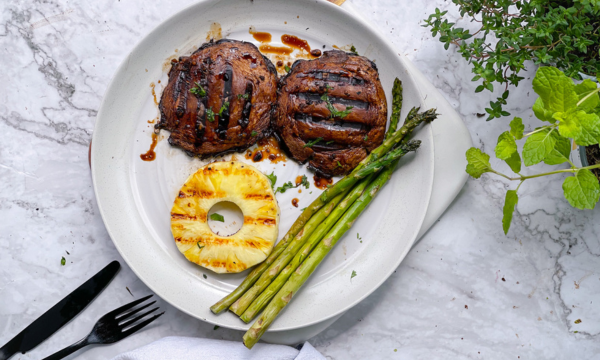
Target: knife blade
{"x": 60, "y": 314}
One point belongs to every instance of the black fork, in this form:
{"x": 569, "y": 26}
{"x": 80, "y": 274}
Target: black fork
{"x": 112, "y": 327}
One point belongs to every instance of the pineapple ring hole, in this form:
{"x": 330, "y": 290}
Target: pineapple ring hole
{"x": 232, "y": 216}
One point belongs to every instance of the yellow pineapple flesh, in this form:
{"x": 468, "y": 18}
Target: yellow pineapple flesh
{"x": 241, "y": 184}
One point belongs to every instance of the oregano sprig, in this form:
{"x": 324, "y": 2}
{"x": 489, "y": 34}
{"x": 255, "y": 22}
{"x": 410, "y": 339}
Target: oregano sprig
{"x": 572, "y": 114}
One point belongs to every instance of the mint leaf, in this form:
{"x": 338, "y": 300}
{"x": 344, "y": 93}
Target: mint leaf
{"x": 582, "y": 190}
{"x": 537, "y": 147}
{"x": 517, "y": 128}
{"x": 561, "y": 151}
{"x": 510, "y": 201}
{"x": 569, "y": 125}
{"x": 478, "y": 162}
{"x": 590, "y": 129}
{"x": 541, "y": 112}
{"x": 514, "y": 161}
{"x": 506, "y": 146}
{"x": 556, "y": 89}
{"x": 584, "y": 89}
{"x": 272, "y": 179}
{"x": 217, "y": 217}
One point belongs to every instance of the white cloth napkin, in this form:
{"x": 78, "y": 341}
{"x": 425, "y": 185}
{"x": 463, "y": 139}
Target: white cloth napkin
{"x": 189, "y": 348}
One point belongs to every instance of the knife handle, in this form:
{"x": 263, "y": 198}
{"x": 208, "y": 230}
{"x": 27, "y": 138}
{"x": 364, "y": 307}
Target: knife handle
{"x": 68, "y": 350}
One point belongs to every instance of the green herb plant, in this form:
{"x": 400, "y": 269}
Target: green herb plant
{"x": 510, "y": 32}
{"x": 571, "y": 113}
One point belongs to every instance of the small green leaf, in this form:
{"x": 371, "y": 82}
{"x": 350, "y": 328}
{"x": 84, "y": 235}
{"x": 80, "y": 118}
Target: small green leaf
{"x": 243, "y": 96}
{"x": 582, "y": 190}
{"x": 555, "y": 88}
{"x": 353, "y": 49}
{"x": 590, "y": 129}
{"x": 506, "y": 146}
{"x": 285, "y": 187}
{"x": 287, "y": 69}
{"x": 224, "y": 107}
{"x": 353, "y": 274}
{"x": 584, "y": 89}
{"x": 210, "y": 115}
{"x": 272, "y": 179}
{"x": 537, "y": 147}
{"x": 569, "y": 125}
{"x": 517, "y": 128}
{"x": 510, "y": 201}
{"x": 304, "y": 182}
{"x": 63, "y": 261}
{"x": 561, "y": 151}
{"x": 216, "y": 327}
{"x": 217, "y": 217}
{"x": 541, "y": 112}
{"x": 198, "y": 90}
{"x": 253, "y": 133}
{"x": 478, "y": 162}
{"x": 514, "y": 161}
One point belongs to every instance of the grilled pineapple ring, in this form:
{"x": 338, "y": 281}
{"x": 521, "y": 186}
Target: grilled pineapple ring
{"x": 244, "y": 186}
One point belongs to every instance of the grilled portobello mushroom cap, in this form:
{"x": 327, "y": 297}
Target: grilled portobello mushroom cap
{"x": 220, "y": 99}
{"x": 333, "y": 142}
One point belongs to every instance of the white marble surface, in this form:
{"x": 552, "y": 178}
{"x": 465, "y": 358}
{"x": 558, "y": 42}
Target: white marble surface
{"x": 465, "y": 291}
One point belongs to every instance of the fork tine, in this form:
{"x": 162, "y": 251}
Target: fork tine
{"x": 118, "y": 311}
{"x": 129, "y": 314}
{"x": 141, "y": 325}
{"x": 139, "y": 317}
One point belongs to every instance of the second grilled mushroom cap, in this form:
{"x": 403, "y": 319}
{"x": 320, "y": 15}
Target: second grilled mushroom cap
{"x": 219, "y": 99}
{"x": 332, "y": 111}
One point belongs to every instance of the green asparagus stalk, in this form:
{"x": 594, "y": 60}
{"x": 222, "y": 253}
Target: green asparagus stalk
{"x": 349, "y": 180}
{"x": 389, "y": 158}
{"x": 302, "y": 273}
{"x": 263, "y": 299}
{"x": 286, "y": 256}
{"x": 320, "y": 214}
{"x": 396, "y": 107}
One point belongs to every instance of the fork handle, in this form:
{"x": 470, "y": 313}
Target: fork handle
{"x": 68, "y": 350}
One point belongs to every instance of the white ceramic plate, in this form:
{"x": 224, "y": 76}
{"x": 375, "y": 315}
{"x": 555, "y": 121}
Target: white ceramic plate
{"x": 135, "y": 197}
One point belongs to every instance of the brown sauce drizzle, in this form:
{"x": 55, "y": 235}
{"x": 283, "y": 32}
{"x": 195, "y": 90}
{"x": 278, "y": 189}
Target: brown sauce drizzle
{"x": 295, "y": 42}
{"x": 152, "y": 121}
{"x": 260, "y": 36}
{"x": 295, "y": 202}
{"x": 322, "y": 182}
{"x": 267, "y": 149}
{"x": 150, "y": 155}
{"x": 152, "y": 85}
{"x": 298, "y": 180}
{"x": 279, "y": 50}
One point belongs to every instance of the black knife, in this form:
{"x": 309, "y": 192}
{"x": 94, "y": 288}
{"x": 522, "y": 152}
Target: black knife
{"x": 60, "y": 314}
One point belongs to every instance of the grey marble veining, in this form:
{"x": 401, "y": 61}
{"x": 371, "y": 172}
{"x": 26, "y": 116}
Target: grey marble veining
{"x": 465, "y": 291}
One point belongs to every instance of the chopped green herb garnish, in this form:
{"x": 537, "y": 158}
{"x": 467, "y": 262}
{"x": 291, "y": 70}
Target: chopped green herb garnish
{"x": 199, "y": 246}
{"x": 217, "y": 217}
{"x": 312, "y": 142}
{"x": 204, "y": 276}
{"x": 353, "y": 49}
{"x": 366, "y": 138}
{"x": 334, "y": 112}
{"x": 304, "y": 182}
{"x": 272, "y": 179}
{"x": 330, "y": 142}
{"x": 224, "y": 107}
{"x": 63, "y": 261}
{"x": 243, "y": 96}
{"x": 198, "y": 90}
{"x": 353, "y": 274}
{"x": 287, "y": 69}
{"x": 302, "y": 209}
{"x": 285, "y": 187}
{"x": 216, "y": 327}
{"x": 210, "y": 115}
{"x": 338, "y": 164}
{"x": 253, "y": 133}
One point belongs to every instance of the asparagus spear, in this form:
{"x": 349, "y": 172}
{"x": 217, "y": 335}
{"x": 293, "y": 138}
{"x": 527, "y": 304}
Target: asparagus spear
{"x": 261, "y": 301}
{"x": 301, "y": 274}
{"x": 286, "y": 256}
{"x": 255, "y": 274}
{"x": 396, "y": 107}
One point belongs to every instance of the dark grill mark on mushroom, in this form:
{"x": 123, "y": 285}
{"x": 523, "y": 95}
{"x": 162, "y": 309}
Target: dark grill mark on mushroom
{"x": 224, "y": 70}
{"x": 348, "y": 133}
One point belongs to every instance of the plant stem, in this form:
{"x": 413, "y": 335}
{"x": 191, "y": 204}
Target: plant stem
{"x": 587, "y": 96}
{"x": 541, "y": 129}
{"x": 523, "y": 178}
